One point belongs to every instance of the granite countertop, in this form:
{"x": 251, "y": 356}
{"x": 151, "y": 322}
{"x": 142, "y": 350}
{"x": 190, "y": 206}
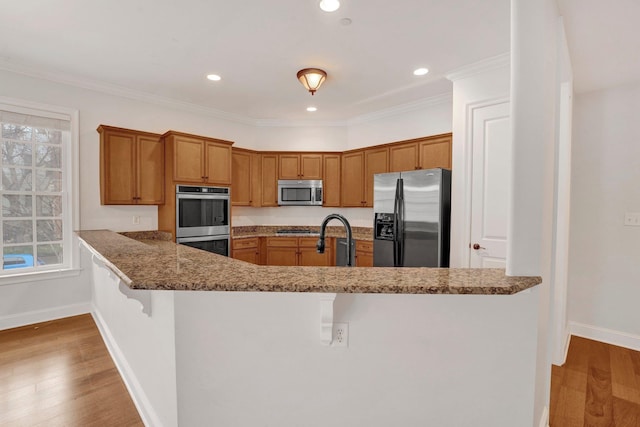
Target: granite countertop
{"x": 150, "y": 260}
{"x": 359, "y": 233}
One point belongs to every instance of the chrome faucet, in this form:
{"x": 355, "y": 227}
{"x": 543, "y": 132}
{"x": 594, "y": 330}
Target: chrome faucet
{"x": 347, "y": 226}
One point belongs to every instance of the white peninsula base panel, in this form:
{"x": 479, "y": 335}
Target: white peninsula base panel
{"x": 256, "y": 358}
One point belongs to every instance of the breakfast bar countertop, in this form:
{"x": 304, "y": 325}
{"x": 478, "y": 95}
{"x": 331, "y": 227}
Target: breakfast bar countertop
{"x": 151, "y": 261}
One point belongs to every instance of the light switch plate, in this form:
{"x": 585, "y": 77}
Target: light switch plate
{"x": 632, "y": 219}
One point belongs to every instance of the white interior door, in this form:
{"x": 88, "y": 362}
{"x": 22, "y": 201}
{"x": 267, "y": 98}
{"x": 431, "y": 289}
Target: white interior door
{"x": 491, "y": 160}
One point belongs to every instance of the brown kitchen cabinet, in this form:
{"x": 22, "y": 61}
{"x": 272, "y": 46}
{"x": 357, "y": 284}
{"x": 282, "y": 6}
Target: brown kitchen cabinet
{"x": 300, "y": 166}
{"x": 198, "y": 159}
{"x": 376, "y": 160}
{"x": 245, "y": 180}
{"x": 364, "y": 253}
{"x": 247, "y": 249}
{"x": 423, "y": 153}
{"x": 353, "y": 179}
{"x": 131, "y": 167}
{"x": 269, "y": 179}
{"x": 297, "y": 251}
{"x": 331, "y": 180}
{"x": 358, "y": 169}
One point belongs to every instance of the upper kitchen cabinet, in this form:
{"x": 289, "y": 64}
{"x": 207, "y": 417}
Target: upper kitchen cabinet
{"x": 331, "y": 180}
{"x": 353, "y": 179}
{"x": 245, "y": 182}
{"x": 131, "y": 167}
{"x": 197, "y": 159}
{"x": 435, "y": 152}
{"x": 300, "y": 166}
{"x": 358, "y": 168}
{"x": 376, "y": 160}
{"x": 269, "y": 179}
{"x": 422, "y": 153}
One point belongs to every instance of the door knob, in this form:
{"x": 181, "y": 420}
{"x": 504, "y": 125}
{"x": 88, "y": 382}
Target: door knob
{"x": 477, "y": 246}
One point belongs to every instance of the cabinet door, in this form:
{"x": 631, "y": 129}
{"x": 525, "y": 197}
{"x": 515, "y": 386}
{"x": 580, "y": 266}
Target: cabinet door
{"x": 376, "y": 161}
{"x": 269, "y": 175}
{"x": 364, "y": 253}
{"x": 436, "y": 153}
{"x": 352, "y": 179}
{"x": 218, "y": 163}
{"x": 331, "y": 180}
{"x": 188, "y": 159}
{"x": 289, "y": 165}
{"x": 118, "y": 168}
{"x": 282, "y": 255}
{"x": 248, "y": 254}
{"x": 241, "y": 182}
{"x": 310, "y": 257}
{"x": 150, "y": 170}
{"x": 311, "y": 166}
{"x": 403, "y": 157}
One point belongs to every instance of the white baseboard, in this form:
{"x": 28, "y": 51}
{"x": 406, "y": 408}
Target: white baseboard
{"x": 38, "y": 316}
{"x": 139, "y": 397}
{"x": 609, "y": 336}
{"x": 544, "y": 419}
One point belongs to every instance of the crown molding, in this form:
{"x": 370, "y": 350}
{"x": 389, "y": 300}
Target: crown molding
{"x": 498, "y": 61}
{"x": 123, "y": 92}
{"x": 111, "y": 89}
{"x": 432, "y": 101}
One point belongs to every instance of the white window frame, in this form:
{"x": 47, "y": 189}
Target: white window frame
{"x": 70, "y": 195}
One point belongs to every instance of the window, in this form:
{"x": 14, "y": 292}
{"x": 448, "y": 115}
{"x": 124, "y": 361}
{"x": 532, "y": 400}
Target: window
{"x": 37, "y": 216}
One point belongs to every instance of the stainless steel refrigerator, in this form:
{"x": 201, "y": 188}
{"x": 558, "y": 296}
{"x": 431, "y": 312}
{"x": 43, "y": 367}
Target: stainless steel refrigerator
{"x": 412, "y": 213}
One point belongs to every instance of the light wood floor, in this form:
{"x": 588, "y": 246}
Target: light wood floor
{"x": 598, "y": 386}
{"x": 60, "y": 373}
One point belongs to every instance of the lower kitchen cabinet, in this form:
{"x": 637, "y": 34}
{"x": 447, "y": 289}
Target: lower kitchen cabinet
{"x": 247, "y": 250}
{"x": 364, "y": 253}
{"x": 300, "y": 251}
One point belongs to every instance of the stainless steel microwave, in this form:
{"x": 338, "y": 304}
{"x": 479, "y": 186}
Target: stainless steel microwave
{"x": 303, "y": 192}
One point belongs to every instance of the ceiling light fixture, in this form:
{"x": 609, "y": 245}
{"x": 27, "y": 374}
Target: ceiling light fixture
{"x": 311, "y": 78}
{"x": 214, "y": 77}
{"x": 420, "y": 72}
{"x": 311, "y": 109}
{"x": 329, "y": 5}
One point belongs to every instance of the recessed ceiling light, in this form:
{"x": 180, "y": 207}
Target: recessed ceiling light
{"x": 214, "y": 77}
{"x": 420, "y": 72}
{"x": 311, "y": 109}
{"x": 329, "y": 5}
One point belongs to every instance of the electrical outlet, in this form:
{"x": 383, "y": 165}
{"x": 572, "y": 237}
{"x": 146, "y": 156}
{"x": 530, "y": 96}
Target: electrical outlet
{"x": 632, "y": 219}
{"x": 136, "y": 220}
{"x": 340, "y": 335}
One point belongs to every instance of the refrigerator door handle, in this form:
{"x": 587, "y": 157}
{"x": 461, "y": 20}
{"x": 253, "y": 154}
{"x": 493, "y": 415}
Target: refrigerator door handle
{"x": 395, "y": 227}
{"x": 400, "y": 230}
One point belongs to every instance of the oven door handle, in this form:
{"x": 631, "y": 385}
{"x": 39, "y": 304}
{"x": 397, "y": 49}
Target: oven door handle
{"x": 202, "y": 238}
{"x": 202, "y": 196}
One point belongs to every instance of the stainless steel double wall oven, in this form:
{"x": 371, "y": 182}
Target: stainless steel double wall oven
{"x": 203, "y": 218}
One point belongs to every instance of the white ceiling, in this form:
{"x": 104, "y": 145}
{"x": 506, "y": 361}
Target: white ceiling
{"x": 164, "y": 48}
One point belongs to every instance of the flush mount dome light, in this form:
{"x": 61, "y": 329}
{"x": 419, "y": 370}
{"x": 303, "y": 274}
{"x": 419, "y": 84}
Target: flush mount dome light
{"x": 311, "y": 78}
{"x": 311, "y": 109}
{"x": 420, "y": 72}
{"x": 214, "y": 77}
{"x": 329, "y": 5}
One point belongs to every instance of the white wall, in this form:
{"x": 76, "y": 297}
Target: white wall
{"x": 142, "y": 346}
{"x": 604, "y": 261}
{"x": 432, "y": 117}
{"x": 534, "y": 95}
{"x": 300, "y": 215}
{"x": 298, "y": 138}
{"x": 256, "y": 359}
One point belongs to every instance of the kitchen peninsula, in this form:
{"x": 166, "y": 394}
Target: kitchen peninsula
{"x": 417, "y": 352}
